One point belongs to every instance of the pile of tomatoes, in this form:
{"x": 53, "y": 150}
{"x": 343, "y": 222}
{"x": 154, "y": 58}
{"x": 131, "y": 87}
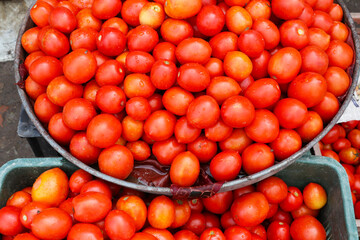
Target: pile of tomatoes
{"x": 81, "y": 207}
{"x": 237, "y": 84}
{"x": 342, "y": 143}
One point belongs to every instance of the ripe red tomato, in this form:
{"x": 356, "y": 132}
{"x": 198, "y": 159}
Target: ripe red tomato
{"x": 350, "y": 155}
{"x": 212, "y": 233}
{"x": 44, "y": 108}
{"x": 182, "y": 213}
{"x": 44, "y": 69}
{"x": 260, "y": 69}
{"x": 105, "y": 9}
{"x": 78, "y": 113}
{"x": 190, "y": 71}
{"x": 253, "y": 163}
{"x": 29, "y": 40}
{"x": 160, "y": 125}
{"x": 60, "y": 91}
{"x": 336, "y": 12}
{"x": 290, "y": 112}
{"x": 138, "y": 85}
{"x": 251, "y": 43}
{"x": 287, "y": 143}
{"x": 203, "y": 112}
{"x": 185, "y": 235}
{"x": 110, "y": 99}
{"x": 238, "y": 20}
{"x": 237, "y": 111}
{"x": 210, "y": 20}
{"x": 222, "y": 43}
{"x": 250, "y": 209}
{"x": 293, "y": 200}
{"x": 286, "y": 10}
{"x": 185, "y": 132}
{"x": 166, "y": 151}
{"x": 307, "y": 15}
{"x": 238, "y": 141}
{"x": 53, "y": 42}
{"x": 130, "y": 11}
{"x": 182, "y": 9}
{"x": 135, "y": 207}
{"x": 43, "y": 225}
{"x": 225, "y": 166}
{"x": 219, "y": 203}
{"x": 139, "y": 62}
{"x": 335, "y": 50}
{"x": 161, "y": 212}
{"x": 175, "y": 30}
{"x": 303, "y": 211}
{"x": 307, "y": 227}
{"x": 62, "y": 19}
{"x": 163, "y": 74}
{"x": 219, "y": 132}
{"x": 83, "y": 150}
{"x": 294, "y": 33}
{"x": 237, "y": 232}
{"x": 59, "y": 130}
{"x": 322, "y": 20}
{"x": 203, "y": 148}
{"x": 337, "y": 81}
{"x": 328, "y": 107}
{"x": 118, "y": 225}
{"x": 195, "y": 224}
{"x": 185, "y": 169}
{"x": 193, "y": 50}
{"x": 264, "y": 128}
{"x": 152, "y": 14}
{"x": 319, "y": 38}
{"x": 263, "y": 93}
{"x": 177, "y": 100}
{"x": 274, "y": 189}
{"x": 311, "y": 128}
{"x": 111, "y": 41}
{"x": 314, "y": 59}
{"x": 278, "y": 230}
{"x": 142, "y": 38}
{"x": 85, "y": 18}
{"x": 111, "y": 72}
{"x": 269, "y": 31}
{"x": 79, "y": 66}
{"x": 10, "y": 224}
{"x": 237, "y": 65}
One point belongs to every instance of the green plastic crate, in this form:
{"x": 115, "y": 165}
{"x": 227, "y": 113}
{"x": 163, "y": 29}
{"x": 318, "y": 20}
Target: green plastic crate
{"x": 337, "y": 216}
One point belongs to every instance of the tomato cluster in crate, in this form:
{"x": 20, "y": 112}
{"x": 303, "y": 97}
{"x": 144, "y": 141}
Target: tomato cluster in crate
{"x": 186, "y": 81}
{"x": 81, "y": 207}
{"x": 342, "y": 143}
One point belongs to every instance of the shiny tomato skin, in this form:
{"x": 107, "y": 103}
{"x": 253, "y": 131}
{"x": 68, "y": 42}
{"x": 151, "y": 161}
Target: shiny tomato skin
{"x": 269, "y": 31}
{"x": 182, "y": 9}
{"x": 264, "y": 128}
{"x": 293, "y": 200}
{"x": 314, "y": 59}
{"x": 111, "y": 41}
{"x": 237, "y": 111}
{"x": 278, "y": 230}
{"x": 250, "y": 209}
{"x": 185, "y": 132}
{"x": 257, "y": 157}
{"x": 138, "y": 108}
{"x": 210, "y": 20}
{"x": 237, "y": 65}
{"x": 40, "y": 13}
{"x": 263, "y": 92}
{"x": 82, "y": 230}
{"x": 287, "y": 9}
{"x": 336, "y": 12}
{"x": 273, "y": 188}
{"x": 222, "y": 87}
{"x": 135, "y": 207}
{"x": 240, "y": 16}
{"x": 260, "y": 67}
{"x": 309, "y": 87}
{"x": 182, "y": 213}
{"x": 130, "y": 11}
{"x": 223, "y": 43}
{"x": 85, "y": 18}
{"x": 160, "y": 125}
{"x": 287, "y": 143}
{"x": 294, "y": 33}
{"x": 190, "y": 71}
{"x": 79, "y": 66}
{"x": 161, "y": 212}
{"x": 215, "y": 67}
{"x": 290, "y": 112}
{"x": 219, "y": 132}
{"x": 106, "y": 9}
{"x": 53, "y": 42}
{"x": 163, "y": 74}
{"x": 322, "y": 20}
{"x": 166, "y": 151}
{"x": 177, "y": 100}
{"x": 307, "y": 15}
{"x": 349, "y": 155}
{"x": 111, "y": 72}
{"x": 237, "y": 232}
{"x": 62, "y": 19}
{"x": 307, "y": 226}
{"x": 328, "y": 107}
{"x": 103, "y": 130}
{"x": 175, "y": 30}
{"x": 185, "y": 235}
{"x": 193, "y": 50}
{"x": 319, "y": 38}
{"x": 203, "y": 112}
{"x": 44, "y": 108}
{"x": 225, "y": 166}
{"x": 29, "y": 40}
{"x": 60, "y": 90}
{"x": 184, "y": 169}
{"x": 10, "y": 221}
{"x": 142, "y": 38}
{"x": 212, "y": 233}
{"x": 165, "y": 51}
{"x": 32, "y": 57}
{"x": 285, "y": 65}
{"x": 219, "y": 203}
{"x": 43, "y": 225}
{"x": 338, "y": 48}
{"x": 251, "y": 43}
{"x": 139, "y": 62}
{"x": 238, "y": 141}
{"x": 44, "y": 69}
{"x": 138, "y": 85}
{"x": 59, "y": 131}
{"x": 78, "y": 113}
{"x": 110, "y": 99}
{"x": 311, "y": 128}
{"x": 119, "y": 225}
{"x": 83, "y": 150}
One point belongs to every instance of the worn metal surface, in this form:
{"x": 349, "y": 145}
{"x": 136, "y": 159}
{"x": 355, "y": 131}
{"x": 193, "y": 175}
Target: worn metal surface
{"x": 20, "y": 55}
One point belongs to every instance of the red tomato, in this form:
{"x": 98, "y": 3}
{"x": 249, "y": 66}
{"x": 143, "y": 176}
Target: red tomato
{"x": 336, "y": 12}
{"x": 269, "y": 31}
{"x": 307, "y": 227}
{"x": 53, "y": 42}
{"x": 337, "y": 81}
{"x": 225, "y": 166}
{"x": 253, "y": 163}
{"x": 193, "y": 50}
{"x": 264, "y": 128}
{"x": 78, "y": 113}
{"x": 237, "y": 111}
{"x": 219, "y": 132}
{"x": 139, "y": 149}
{"x": 223, "y": 43}
{"x": 319, "y": 38}
{"x": 294, "y": 33}
{"x": 185, "y": 235}
{"x": 142, "y": 38}
{"x": 182, "y": 213}
{"x": 219, "y": 203}
{"x": 105, "y": 9}
{"x": 163, "y": 74}
{"x": 227, "y": 221}
{"x": 285, "y": 65}
{"x": 19, "y": 199}
{"x": 263, "y": 93}
{"x": 62, "y": 19}
{"x": 311, "y": 128}
{"x": 79, "y": 66}
{"x": 10, "y": 221}
{"x": 203, "y": 148}
{"x": 215, "y": 67}
{"x": 118, "y": 23}
{"x": 338, "y": 48}
{"x": 315, "y": 196}
{"x": 184, "y": 169}
{"x": 110, "y": 99}
{"x": 29, "y": 211}
{"x": 78, "y": 179}
{"x": 165, "y": 51}
{"x": 177, "y": 100}
{"x": 210, "y": 20}
{"x": 274, "y": 189}
{"x": 43, "y": 224}
{"x": 327, "y": 108}
{"x": 111, "y": 41}
{"x": 45, "y": 109}
{"x": 290, "y": 112}
{"x": 24, "y": 236}
{"x": 130, "y": 11}
{"x": 203, "y": 112}
{"x": 350, "y": 155}
{"x": 190, "y": 71}
{"x": 212, "y": 233}
{"x": 238, "y": 141}
{"x": 303, "y": 211}
{"x": 161, "y": 234}
{"x": 111, "y": 72}
{"x": 160, "y": 125}
{"x": 32, "y": 57}
{"x": 293, "y": 200}
{"x": 139, "y": 62}
{"x": 340, "y": 144}
{"x": 166, "y": 151}
{"x": 118, "y": 225}
{"x": 40, "y": 13}
{"x": 60, "y": 91}
{"x": 85, "y": 230}
{"x": 161, "y": 212}
{"x": 185, "y": 132}
{"x": 96, "y": 186}
{"x": 237, "y": 232}
{"x": 314, "y": 59}
{"x": 260, "y": 67}
{"x": 278, "y": 230}
{"x": 195, "y": 224}
{"x": 237, "y": 65}
{"x": 322, "y": 20}
{"x": 222, "y": 87}
{"x": 250, "y": 209}
{"x": 286, "y": 10}
{"x": 287, "y": 143}
{"x": 59, "y": 131}
{"x": 238, "y": 20}
{"x": 307, "y": 15}
{"x": 135, "y": 207}
{"x": 182, "y": 9}
{"x": 339, "y": 31}
{"x": 174, "y": 30}
{"x": 45, "y": 69}
{"x": 251, "y": 43}
{"x": 29, "y": 40}
{"x": 152, "y": 14}
{"x": 211, "y": 220}
{"x": 81, "y": 148}
{"x": 85, "y": 18}
{"x": 138, "y": 85}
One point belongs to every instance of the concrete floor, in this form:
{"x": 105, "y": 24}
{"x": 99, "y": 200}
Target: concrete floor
{"x": 11, "y": 145}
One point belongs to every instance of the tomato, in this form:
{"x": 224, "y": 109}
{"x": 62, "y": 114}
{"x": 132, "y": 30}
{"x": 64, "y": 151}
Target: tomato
{"x": 106, "y": 9}
{"x": 322, "y": 20}
{"x": 85, "y": 18}
{"x": 62, "y": 19}
{"x": 59, "y": 131}
{"x": 111, "y": 72}
{"x": 293, "y": 200}
{"x": 336, "y": 12}
{"x": 82, "y": 4}
{"x": 259, "y": 9}
{"x": 44, "y": 108}
{"x": 182, "y": 9}
{"x": 349, "y": 155}
{"x": 135, "y": 207}
{"x": 118, "y": 23}
{"x": 307, "y": 15}
{"x": 311, "y": 128}
{"x": 79, "y": 66}
{"x": 43, "y": 224}
{"x": 222, "y": 43}
{"x": 119, "y": 225}
{"x": 161, "y": 212}
{"x": 237, "y": 111}
{"x": 287, "y": 143}
{"x": 251, "y": 43}
{"x": 174, "y": 30}
{"x": 339, "y": 31}
{"x": 53, "y": 42}
{"x": 139, "y": 149}
{"x": 84, "y": 203}
{"x": 190, "y": 71}
{"x": 110, "y": 99}
{"x": 273, "y": 188}
{"x": 111, "y": 41}
{"x": 278, "y": 230}
{"x": 354, "y": 138}
{"x": 263, "y": 92}
{"x": 269, "y": 31}
{"x": 307, "y": 227}
{"x": 273, "y": 208}
{"x": 303, "y": 211}
{"x": 250, "y": 209}
{"x": 10, "y": 221}
{"x": 222, "y": 87}
{"x": 238, "y": 141}
{"x": 212, "y": 220}
{"x": 237, "y": 65}
{"x": 78, "y": 113}
{"x": 203, "y": 148}
{"x": 160, "y": 125}
{"x": 29, "y": 40}
{"x": 237, "y": 232}
{"x": 177, "y": 100}
{"x": 338, "y": 48}
{"x": 152, "y": 14}
{"x": 314, "y": 196}
{"x": 103, "y": 130}
{"x": 85, "y": 230}
{"x": 132, "y": 130}
{"x": 142, "y": 38}
{"x": 328, "y": 107}
{"x": 253, "y": 163}
{"x": 166, "y": 151}
{"x": 163, "y": 74}
{"x": 290, "y": 112}
{"x": 212, "y": 233}
{"x": 78, "y": 179}
{"x": 130, "y": 11}
{"x": 182, "y": 213}
{"x": 260, "y": 68}
{"x": 185, "y": 235}
{"x": 196, "y": 223}
{"x": 225, "y": 166}
{"x": 44, "y": 69}
{"x": 139, "y": 62}
{"x": 83, "y": 150}
{"x": 210, "y": 20}
{"x": 219, "y": 132}
{"x": 165, "y": 51}
{"x": 286, "y": 10}
{"x": 96, "y": 186}
{"x": 319, "y": 38}
{"x": 160, "y": 234}
{"x": 185, "y": 169}
{"x": 40, "y": 13}
{"x": 203, "y": 112}
{"x": 340, "y": 144}
{"x": 264, "y": 128}
{"x": 138, "y": 85}
{"x": 101, "y": 58}
{"x": 138, "y": 108}
{"x": 294, "y": 33}
{"x": 60, "y": 90}
{"x": 350, "y": 124}
{"x": 32, "y": 57}
{"x": 285, "y": 65}
{"x": 227, "y": 221}
{"x": 219, "y": 203}
{"x": 314, "y": 59}
{"x": 193, "y": 50}
{"x": 238, "y": 20}
{"x": 111, "y": 157}
{"x": 29, "y": 211}
{"x": 215, "y": 67}
{"x": 69, "y": 5}
{"x": 185, "y": 132}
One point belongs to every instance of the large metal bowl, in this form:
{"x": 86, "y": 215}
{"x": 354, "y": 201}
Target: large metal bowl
{"x": 227, "y": 186}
